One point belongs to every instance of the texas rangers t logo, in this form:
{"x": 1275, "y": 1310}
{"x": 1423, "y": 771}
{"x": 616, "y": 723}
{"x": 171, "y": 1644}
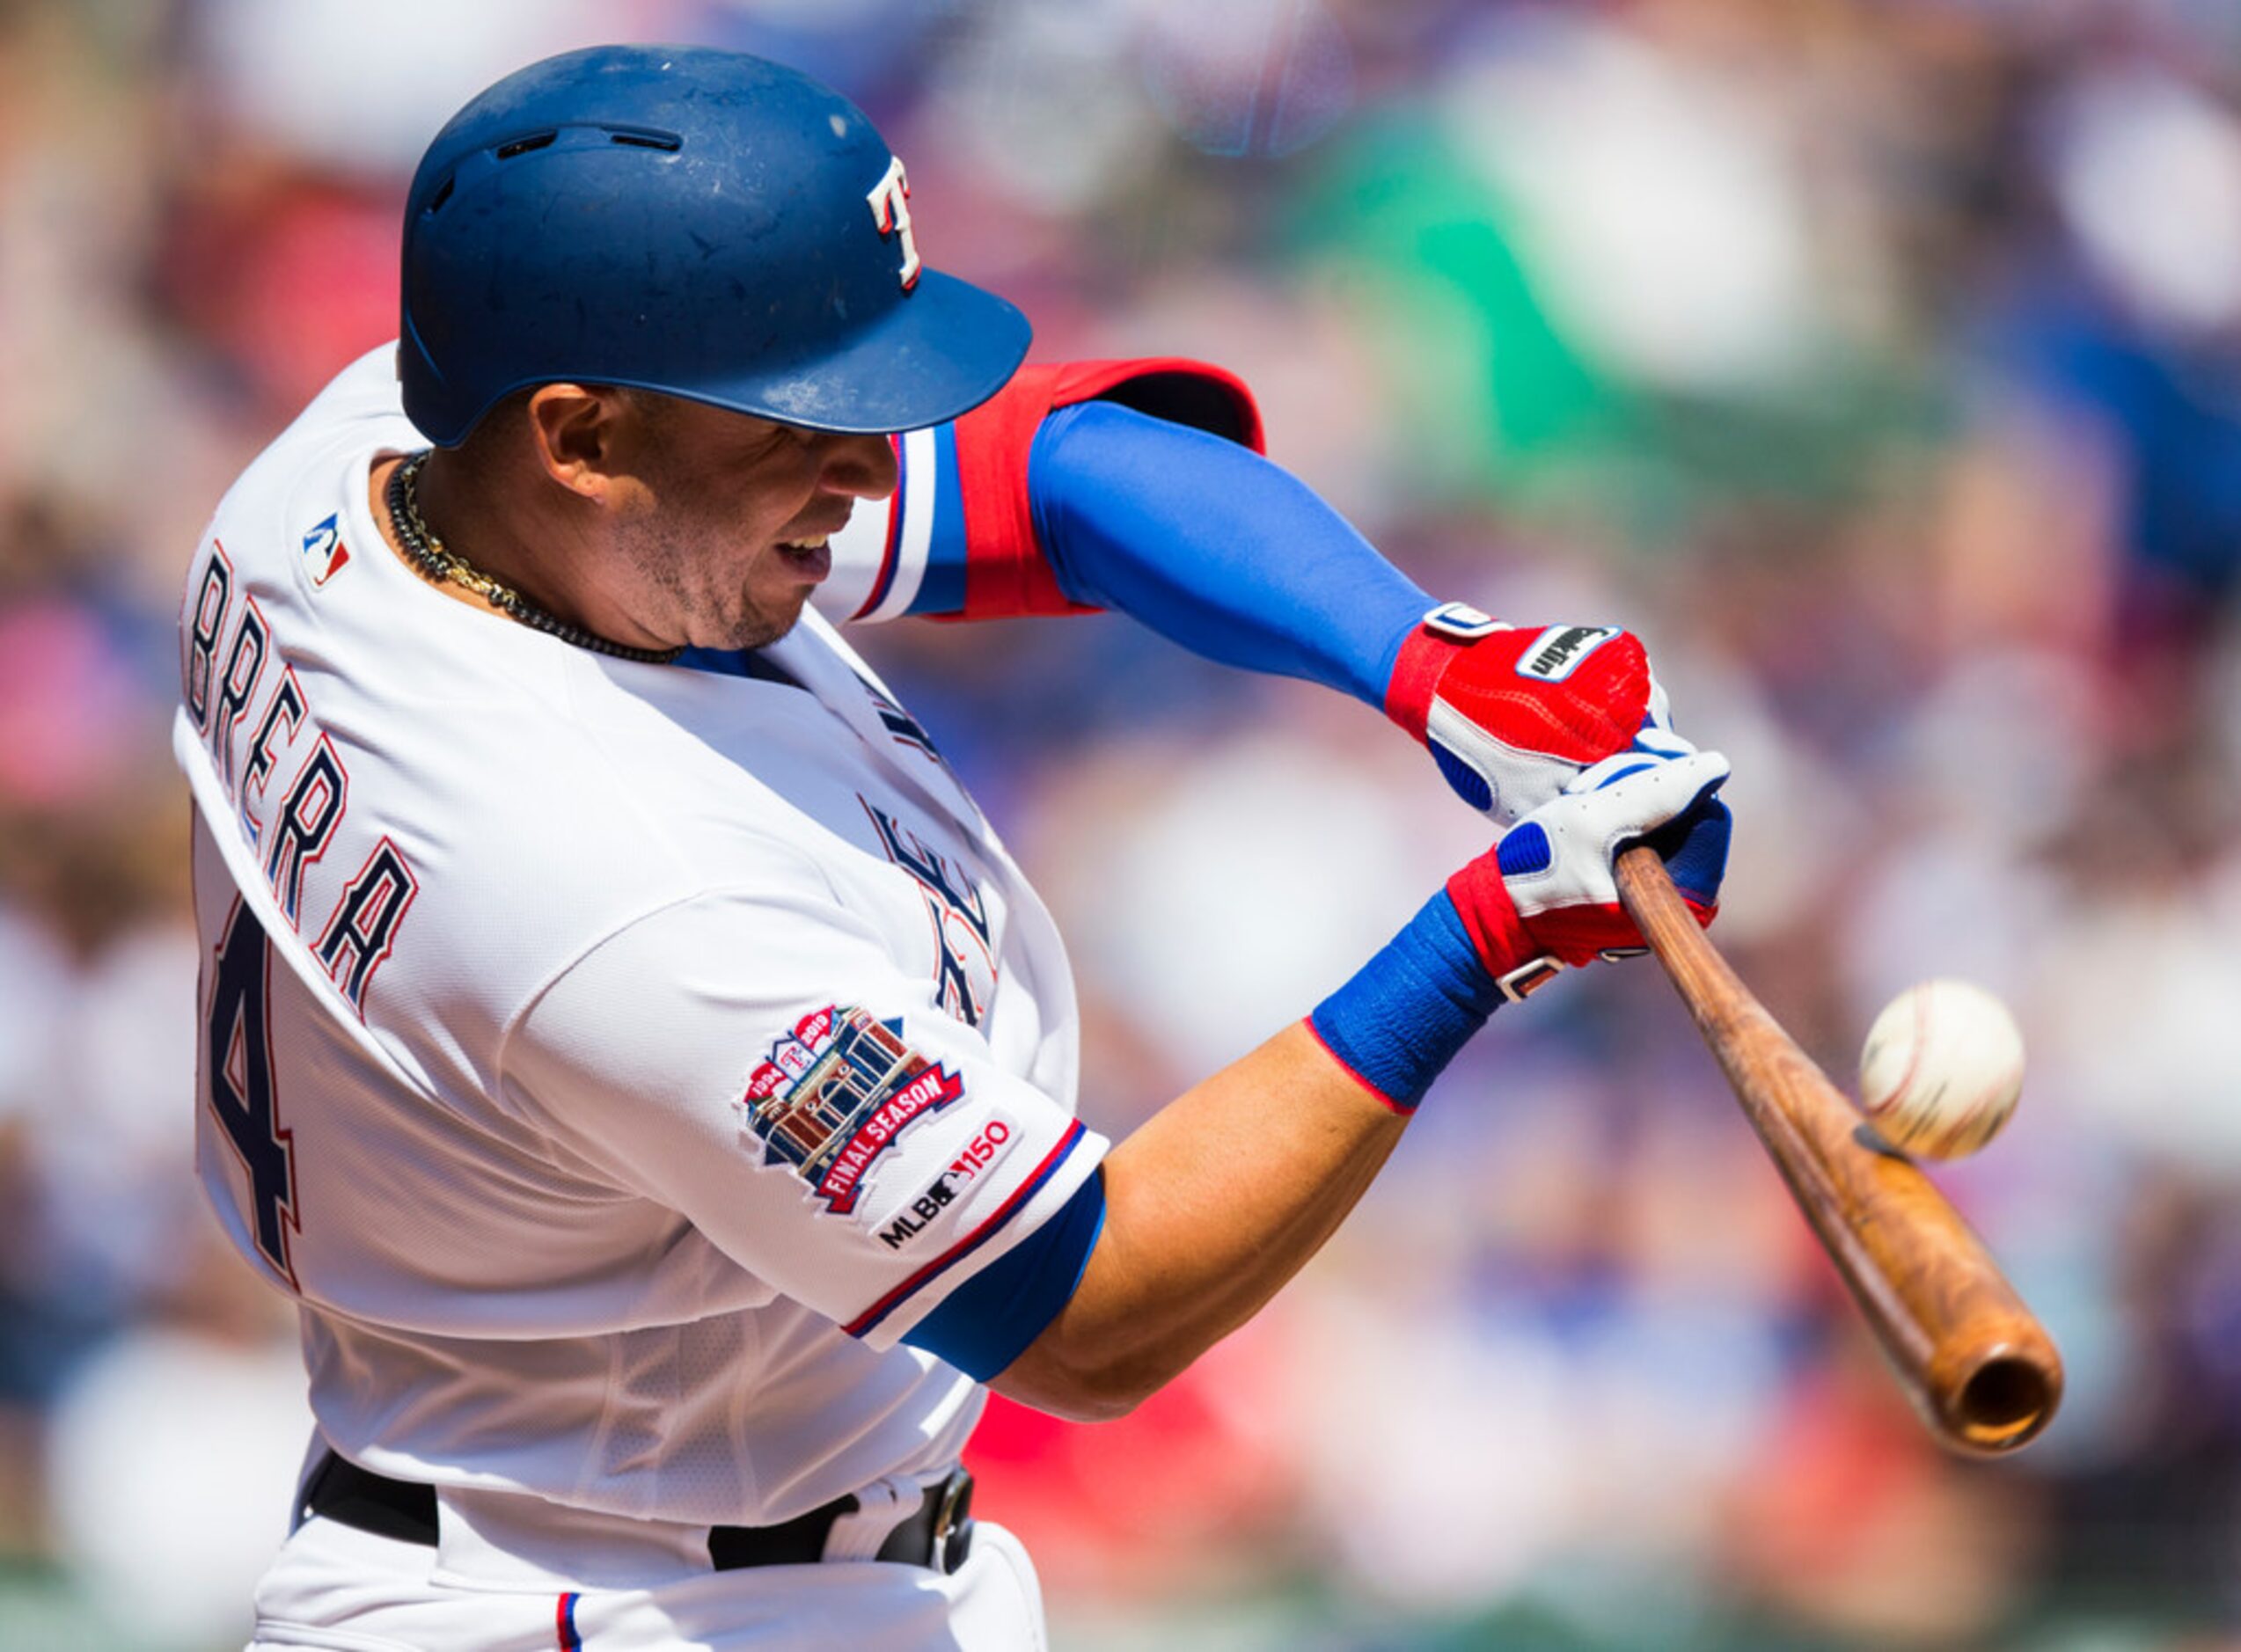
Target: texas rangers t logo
{"x": 890, "y": 206}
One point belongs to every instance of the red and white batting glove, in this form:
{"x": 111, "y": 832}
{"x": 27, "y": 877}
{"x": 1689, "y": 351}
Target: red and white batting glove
{"x": 1512, "y": 716}
{"x": 1544, "y": 898}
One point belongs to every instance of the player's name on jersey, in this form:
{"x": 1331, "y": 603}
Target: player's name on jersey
{"x": 250, "y": 709}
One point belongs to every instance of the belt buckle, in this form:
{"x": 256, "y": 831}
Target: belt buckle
{"x": 952, "y": 1538}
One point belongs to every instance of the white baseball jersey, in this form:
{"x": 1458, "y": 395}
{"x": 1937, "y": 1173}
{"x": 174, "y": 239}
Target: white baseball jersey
{"x": 612, "y": 1059}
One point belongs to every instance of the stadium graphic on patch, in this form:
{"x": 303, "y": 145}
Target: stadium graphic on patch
{"x": 839, "y": 1091}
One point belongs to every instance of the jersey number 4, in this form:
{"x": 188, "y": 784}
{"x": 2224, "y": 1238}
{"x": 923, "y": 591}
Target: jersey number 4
{"x": 237, "y": 1059}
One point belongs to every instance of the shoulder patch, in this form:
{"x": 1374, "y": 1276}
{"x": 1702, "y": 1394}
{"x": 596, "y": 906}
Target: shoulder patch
{"x": 833, "y": 1095}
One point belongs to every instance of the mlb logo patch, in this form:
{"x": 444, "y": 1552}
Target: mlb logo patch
{"x": 324, "y": 555}
{"x": 835, "y": 1093}
{"x": 980, "y": 1155}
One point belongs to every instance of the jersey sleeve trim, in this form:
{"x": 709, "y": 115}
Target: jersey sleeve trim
{"x": 1036, "y": 1179}
{"x": 1010, "y": 572}
{"x": 942, "y": 590}
{"x": 990, "y": 1319}
{"x": 960, "y": 532}
{"x": 911, "y": 524}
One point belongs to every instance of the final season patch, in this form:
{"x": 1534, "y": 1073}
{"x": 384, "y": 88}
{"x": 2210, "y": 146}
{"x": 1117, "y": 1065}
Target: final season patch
{"x": 835, "y": 1093}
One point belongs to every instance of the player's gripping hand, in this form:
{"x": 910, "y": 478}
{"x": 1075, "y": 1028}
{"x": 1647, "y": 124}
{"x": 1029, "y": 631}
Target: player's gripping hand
{"x": 1544, "y": 897}
{"x": 1512, "y": 714}
{"x": 1540, "y": 899}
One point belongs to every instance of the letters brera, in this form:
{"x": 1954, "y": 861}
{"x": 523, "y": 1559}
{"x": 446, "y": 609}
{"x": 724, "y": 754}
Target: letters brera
{"x": 232, "y": 682}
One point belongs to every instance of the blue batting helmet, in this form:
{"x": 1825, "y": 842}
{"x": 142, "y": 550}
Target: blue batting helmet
{"x": 696, "y": 222}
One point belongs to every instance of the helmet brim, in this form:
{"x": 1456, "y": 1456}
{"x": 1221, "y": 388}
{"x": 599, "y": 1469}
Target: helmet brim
{"x": 940, "y": 353}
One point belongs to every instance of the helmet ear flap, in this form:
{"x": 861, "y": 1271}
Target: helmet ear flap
{"x": 700, "y": 223}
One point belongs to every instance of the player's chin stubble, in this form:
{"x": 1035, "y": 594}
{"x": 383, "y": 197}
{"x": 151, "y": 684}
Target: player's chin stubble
{"x": 762, "y": 620}
{"x": 758, "y": 628}
{"x": 713, "y": 612}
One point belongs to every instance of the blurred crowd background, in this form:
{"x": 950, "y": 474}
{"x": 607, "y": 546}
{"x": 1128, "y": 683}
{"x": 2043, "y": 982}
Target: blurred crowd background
{"x": 1878, "y": 360}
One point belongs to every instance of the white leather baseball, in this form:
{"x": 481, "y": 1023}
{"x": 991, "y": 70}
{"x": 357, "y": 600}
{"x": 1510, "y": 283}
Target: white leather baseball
{"x": 1942, "y": 1069}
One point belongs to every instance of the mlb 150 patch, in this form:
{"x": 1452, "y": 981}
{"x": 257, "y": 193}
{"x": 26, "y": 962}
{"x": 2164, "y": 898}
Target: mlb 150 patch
{"x": 977, "y": 1157}
{"x": 839, "y": 1091}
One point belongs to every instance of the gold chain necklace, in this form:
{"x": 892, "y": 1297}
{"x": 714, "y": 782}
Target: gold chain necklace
{"x": 440, "y": 565}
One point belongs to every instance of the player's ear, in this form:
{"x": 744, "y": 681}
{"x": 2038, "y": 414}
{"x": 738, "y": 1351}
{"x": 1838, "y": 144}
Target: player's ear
{"x": 575, "y": 428}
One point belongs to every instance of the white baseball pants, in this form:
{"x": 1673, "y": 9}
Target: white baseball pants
{"x": 335, "y": 1587}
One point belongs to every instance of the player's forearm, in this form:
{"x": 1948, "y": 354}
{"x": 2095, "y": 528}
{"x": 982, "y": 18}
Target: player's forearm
{"x": 1216, "y": 549}
{"x": 1226, "y": 1192}
{"x": 1211, "y": 1206}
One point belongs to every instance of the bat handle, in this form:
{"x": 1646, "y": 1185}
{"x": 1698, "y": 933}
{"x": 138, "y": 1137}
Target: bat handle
{"x": 1646, "y": 891}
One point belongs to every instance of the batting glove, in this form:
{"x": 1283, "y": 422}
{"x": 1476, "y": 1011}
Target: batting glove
{"x": 1544, "y": 897}
{"x": 1513, "y": 715}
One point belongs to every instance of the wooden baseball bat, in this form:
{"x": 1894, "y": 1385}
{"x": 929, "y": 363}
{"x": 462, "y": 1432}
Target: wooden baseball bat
{"x": 1973, "y": 1359}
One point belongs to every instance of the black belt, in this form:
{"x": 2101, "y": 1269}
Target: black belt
{"x": 937, "y": 1534}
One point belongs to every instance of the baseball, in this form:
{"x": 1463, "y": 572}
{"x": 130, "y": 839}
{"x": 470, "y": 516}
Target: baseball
{"x": 1941, "y": 1070}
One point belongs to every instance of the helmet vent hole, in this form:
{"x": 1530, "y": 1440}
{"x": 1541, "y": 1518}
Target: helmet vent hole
{"x": 639, "y": 140}
{"x": 521, "y": 146}
{"x": 443, "y": 194}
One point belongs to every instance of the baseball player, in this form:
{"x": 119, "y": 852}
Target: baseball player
{"x": 622, "y": 1035}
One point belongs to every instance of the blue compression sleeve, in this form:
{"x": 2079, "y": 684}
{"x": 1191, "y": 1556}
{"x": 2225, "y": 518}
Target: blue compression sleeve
{"x": 1216, "y": 549}
{"x": 982, "y": 1326}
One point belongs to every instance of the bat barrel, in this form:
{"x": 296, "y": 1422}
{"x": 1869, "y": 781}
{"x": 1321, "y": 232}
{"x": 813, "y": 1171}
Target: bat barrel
{"x": 1977, "y": 1364}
